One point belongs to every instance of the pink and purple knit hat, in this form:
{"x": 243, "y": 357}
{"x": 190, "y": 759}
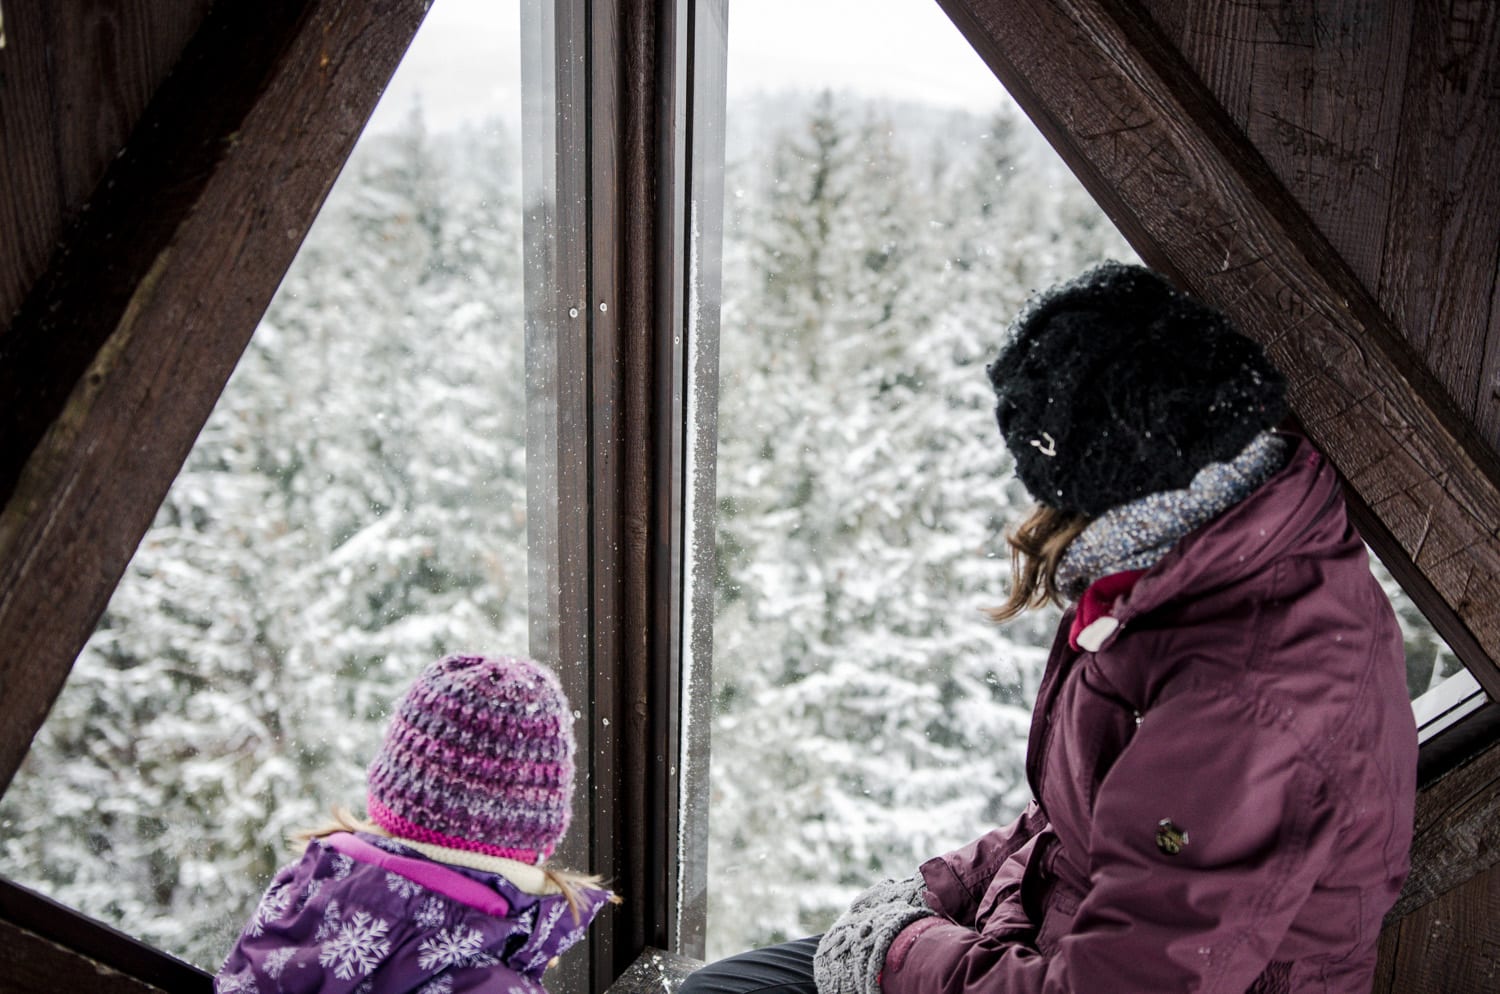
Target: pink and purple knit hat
{"x": 480, "y": 757}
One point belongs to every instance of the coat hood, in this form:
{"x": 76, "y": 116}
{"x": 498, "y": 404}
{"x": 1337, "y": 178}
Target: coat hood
{"x": 1296, "y": 512}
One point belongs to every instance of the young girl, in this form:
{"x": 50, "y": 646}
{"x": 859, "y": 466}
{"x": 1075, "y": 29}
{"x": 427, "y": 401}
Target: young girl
{"x": 442, "y": 891}
{"x": 1222, "y": 754}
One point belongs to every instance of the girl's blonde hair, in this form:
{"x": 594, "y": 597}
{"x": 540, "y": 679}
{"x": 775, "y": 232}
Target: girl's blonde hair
{"x": 568, "y": 882}
{"x": 1037, "y": 545}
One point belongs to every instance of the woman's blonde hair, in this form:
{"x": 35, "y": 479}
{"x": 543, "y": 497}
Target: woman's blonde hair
{"x": 568, "y": 882}
{"x": 1036, "y": 547}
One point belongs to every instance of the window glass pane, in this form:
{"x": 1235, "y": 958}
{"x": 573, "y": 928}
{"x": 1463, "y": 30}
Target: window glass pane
{"x": 1441, "y": 689}
{"x": 881, "y": 229}
{"x": 878, "y": 236}
{"x": 354, "y": 507}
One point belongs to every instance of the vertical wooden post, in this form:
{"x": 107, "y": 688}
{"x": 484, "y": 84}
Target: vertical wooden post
{"x": 621, "y": 306}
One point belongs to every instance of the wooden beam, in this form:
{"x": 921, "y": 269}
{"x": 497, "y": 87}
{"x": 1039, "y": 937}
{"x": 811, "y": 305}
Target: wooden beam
{"x": 1457, "y": 832}
{"x": 47, "y": 947}
{"x": 610, "y": 153}
{"x": 1193, "y": 196}
{"x": 102, "y": 57}
{"x": 121, "y": 349}
{"x": 1449, "y": 945}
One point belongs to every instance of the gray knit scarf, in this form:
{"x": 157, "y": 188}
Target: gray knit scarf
{"x": 1136, "y": 535}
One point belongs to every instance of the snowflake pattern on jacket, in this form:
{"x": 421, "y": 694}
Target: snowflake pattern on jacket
{"x": 330, "y": 923}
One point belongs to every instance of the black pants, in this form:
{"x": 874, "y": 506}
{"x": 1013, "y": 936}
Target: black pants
{"x": 784, "y": 969}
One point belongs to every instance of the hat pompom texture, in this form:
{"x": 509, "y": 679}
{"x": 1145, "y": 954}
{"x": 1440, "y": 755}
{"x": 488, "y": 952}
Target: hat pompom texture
{"x": 1115, "y": 385}
{"x": 479, "y": 756}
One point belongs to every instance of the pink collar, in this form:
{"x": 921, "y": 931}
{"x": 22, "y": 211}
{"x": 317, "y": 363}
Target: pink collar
{"x": 1097, "y": 603}
{"x": 429, "y": 873}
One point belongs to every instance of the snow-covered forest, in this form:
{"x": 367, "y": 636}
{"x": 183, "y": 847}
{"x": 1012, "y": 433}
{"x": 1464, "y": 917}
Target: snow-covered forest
{"x": 356, "y": 507}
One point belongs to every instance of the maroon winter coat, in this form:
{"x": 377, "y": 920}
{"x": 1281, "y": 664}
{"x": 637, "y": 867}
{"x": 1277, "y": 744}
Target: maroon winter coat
{"x": 1251, "y": 713}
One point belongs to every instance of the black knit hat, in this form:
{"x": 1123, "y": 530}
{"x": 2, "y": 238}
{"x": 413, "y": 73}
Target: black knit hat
{"x": 1115, "y": 385}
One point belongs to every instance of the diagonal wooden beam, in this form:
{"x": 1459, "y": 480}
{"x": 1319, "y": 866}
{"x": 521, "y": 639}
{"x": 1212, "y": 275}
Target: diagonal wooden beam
{"x": 45, "y": 946}
{"x": 1193, "y": 196}
{"x": 122, "y": 347}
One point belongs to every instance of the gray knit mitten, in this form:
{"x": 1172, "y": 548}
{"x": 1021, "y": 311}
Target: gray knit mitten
{"x": 851, "y": 954}
{"x": 911, "y": 891}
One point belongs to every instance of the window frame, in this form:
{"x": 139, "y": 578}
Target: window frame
{"x": 622, "y": 326}
{"x": 625, "y": 443}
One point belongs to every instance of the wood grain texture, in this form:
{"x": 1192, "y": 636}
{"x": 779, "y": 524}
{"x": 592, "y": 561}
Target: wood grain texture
{"x": 1448, "y": 946}
{"x": 30, "y": 964}
{"x": 1487, "y": 406}
{"x": 1159, "y": 153}
{"x": 31, "y": 208}
{"x": 1457, "y": 832}
{"x": 1317, "y": 89}
{"x": 629, "y": 118}
{"x": 46, "y": 947}
{"x": 121, "y": 349}
{"x": 1442, "y": 244}
{"x": 74, "y": 80}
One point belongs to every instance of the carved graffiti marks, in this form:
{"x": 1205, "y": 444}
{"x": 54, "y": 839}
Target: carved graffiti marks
{"x": 1201, "y": 201}
{"x": 1439, "y": 268}
{"x": 1317, "y": 90}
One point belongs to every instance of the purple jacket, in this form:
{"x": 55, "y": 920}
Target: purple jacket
{"x": 1225, "y": 788}
{"x": 367, "y": 915}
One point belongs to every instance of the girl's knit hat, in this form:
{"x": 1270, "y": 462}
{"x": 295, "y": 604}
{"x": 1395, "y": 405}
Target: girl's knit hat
{"x": 480, "y": 757}
{"x": 1115, "y": 385}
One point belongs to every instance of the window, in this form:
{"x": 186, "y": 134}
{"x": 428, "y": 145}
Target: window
{"x": 881, "y": 229}
{"x": 867, "y": 213}
{"x": 879, "y": 234}
{"x": 355, "y": 506}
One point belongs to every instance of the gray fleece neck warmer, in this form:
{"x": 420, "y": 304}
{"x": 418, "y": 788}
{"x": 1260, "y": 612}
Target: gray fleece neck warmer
{"x": 1138, "y": 534}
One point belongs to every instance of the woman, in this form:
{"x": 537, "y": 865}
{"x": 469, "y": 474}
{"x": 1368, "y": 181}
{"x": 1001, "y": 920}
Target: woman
{"x": 1222, "y": 754}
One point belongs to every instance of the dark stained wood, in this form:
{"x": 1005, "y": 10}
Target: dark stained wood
{"x": 668, "y": 255}
{"x": 607, "y": 316}
{"x": 1317, "y": 89}
{"x": 1454, "y": 632}
{"x": 46, "y": 947}
{"x": 1156, "y": 149}
{"x": 1442, "y": 246}
{"x": 1383, "y": 121}
{"x": 655, "y": 971}
{"x": 120, "y": 350}
{"x": 31, "y": 206}
{"x": 30, "y": 965}
{"x": 76, "y": 78}
{"x": 645, "y": 39}
{"x": 1385, "y": 960}
{"x": 1487, "y": 415}
{"x": 1450, "y": 945}
{"x": 1457, "y": 832}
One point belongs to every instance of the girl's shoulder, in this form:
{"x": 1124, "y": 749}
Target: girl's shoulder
{"x": 334, "y": 918}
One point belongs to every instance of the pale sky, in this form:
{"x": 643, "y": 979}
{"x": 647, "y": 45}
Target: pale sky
{"x": 465, "y": 62}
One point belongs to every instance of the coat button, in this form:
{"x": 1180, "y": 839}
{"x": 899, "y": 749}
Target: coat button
{"x": 1169, "y": 838}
